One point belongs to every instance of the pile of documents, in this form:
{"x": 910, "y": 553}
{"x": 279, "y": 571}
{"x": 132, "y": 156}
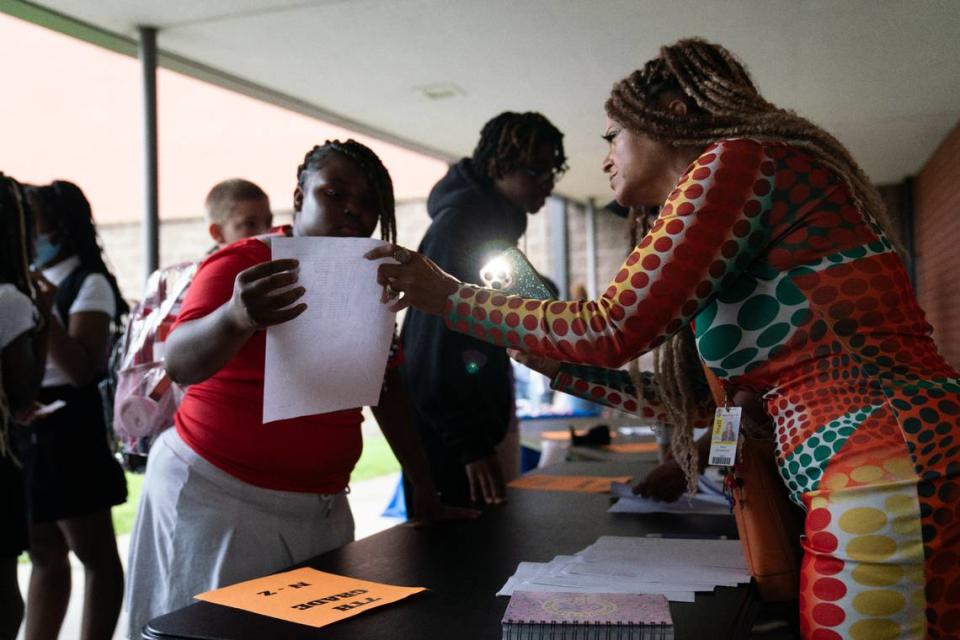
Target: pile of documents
{"x": 674, "y": 567}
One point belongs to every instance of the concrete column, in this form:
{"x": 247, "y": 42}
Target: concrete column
{"x": 559, "y": 255}
{"x": 591, "y": 211}
{"x": 151, "y": 210}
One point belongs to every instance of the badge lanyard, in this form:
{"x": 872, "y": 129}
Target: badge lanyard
{"x": 726, "y": 433}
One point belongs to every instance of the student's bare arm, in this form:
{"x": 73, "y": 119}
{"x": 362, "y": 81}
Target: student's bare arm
{"x": 395, "y": 416}
{"x": 199, "y": 348}
{"x": 24, "y": 359}
{"x": 80, "y": 349}
{"x": 23, "y": 363}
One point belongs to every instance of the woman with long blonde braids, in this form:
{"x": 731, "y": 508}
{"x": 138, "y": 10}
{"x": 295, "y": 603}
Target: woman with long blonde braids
{"x": 774, "y": 245}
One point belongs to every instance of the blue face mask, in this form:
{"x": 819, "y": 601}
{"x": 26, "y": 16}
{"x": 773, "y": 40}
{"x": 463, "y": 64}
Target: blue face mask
{"x": 47, "y": 250}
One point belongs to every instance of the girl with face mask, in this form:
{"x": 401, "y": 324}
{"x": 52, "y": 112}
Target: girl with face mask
{"x": 71, "y": 477}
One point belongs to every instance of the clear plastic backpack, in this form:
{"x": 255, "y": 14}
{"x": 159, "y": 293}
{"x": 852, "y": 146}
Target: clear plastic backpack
{"x": 146, "y": 398}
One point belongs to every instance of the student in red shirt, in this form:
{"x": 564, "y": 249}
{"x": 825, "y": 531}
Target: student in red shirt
{"x": 227, "y": 498}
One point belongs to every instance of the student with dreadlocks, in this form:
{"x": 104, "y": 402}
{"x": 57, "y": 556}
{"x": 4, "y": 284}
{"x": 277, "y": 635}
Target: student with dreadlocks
{"x": 71, "y": 477}
{"x": 24, "y": 316}
{"x": 462, "y": 387}
{"x": 225, "y": 498}
{"x": 775, "y": 246}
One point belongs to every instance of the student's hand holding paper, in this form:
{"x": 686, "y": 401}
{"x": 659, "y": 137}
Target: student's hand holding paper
{"x": 263, "y": 294}
{"x": 27, "y": 416}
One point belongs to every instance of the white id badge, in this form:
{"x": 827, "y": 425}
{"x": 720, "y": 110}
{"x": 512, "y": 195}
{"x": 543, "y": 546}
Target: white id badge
{"x": 723, "y": 443}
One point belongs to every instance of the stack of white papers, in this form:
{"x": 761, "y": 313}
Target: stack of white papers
{"x": 676, "y": 568}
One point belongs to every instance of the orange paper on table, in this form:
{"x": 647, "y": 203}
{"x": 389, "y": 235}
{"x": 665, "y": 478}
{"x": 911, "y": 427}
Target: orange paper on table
{"x": 561, "y": 434}
{"x": 632, "y": 447}
{"x": 307, "y": 596}
{"x": 579, "y": 484}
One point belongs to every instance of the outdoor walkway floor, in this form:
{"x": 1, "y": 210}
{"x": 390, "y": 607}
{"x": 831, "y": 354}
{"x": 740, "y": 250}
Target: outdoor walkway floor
{"x": 368, "y": 499}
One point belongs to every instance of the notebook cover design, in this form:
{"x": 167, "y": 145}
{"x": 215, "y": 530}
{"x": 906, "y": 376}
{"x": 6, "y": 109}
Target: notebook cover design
{"x": 587, "y": 608}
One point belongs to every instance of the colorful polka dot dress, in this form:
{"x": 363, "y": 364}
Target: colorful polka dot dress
{"x": 795, "y": 294}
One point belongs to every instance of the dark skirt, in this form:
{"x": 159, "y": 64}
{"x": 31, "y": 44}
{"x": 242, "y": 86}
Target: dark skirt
{"x": 69, "y": 468}
{"x": 13, "y": 510}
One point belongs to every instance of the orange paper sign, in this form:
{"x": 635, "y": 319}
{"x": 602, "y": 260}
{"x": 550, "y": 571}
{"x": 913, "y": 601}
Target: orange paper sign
{"x": 564, "y": 434}
{"x": 580, "y": 484}
{"x": 632, "y": 447}
{"x": 307, "y": 596}
{"x": 555, "y": 435}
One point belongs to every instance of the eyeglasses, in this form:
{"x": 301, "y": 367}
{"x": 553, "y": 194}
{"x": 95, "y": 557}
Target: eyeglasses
{"x": 542, "y": 174}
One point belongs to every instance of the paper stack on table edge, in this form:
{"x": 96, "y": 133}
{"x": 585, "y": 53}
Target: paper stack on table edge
{"x": 676, "y": 568}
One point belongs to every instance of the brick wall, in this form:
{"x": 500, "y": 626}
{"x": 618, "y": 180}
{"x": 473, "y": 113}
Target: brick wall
{"x": 937, "y": 233}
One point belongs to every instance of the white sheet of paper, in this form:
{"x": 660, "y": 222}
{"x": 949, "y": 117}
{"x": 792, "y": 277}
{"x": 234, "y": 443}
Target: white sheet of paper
{"x": 667, "y": 552}
{"x": 333, "y": 355}
{"x": 712, "y": 576}
{"x": 535, "y": 576}
{"x": 700, "y": 504}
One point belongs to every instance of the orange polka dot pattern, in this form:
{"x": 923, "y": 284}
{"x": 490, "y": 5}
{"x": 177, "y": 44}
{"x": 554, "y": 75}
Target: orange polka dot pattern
{"x": 796, "y": 294}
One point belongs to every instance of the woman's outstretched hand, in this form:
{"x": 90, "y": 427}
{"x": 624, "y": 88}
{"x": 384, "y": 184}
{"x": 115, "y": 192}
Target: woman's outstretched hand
{"x": 424, "y": 285}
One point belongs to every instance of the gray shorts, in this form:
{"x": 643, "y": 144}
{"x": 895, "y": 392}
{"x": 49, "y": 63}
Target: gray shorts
{"x": 199, "y": 528}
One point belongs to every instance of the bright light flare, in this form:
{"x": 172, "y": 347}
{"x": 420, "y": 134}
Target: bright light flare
{"x": 497, "y": 273}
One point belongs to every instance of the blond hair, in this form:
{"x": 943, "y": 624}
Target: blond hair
{"x": 225, "y": 194}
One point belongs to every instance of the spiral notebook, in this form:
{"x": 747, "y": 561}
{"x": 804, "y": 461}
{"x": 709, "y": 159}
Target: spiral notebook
{"x": 535, "y": 615}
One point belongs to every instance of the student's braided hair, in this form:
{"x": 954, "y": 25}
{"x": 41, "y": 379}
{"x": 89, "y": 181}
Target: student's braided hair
{"x": 372, "y": 167}
{"x": 16, "y": 243}
{"x": 724, "y": 103}
{"x": 68, "y": 210}
{"x": 511, "y": 141}
{"x": 16, "y": 236}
